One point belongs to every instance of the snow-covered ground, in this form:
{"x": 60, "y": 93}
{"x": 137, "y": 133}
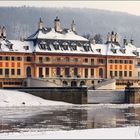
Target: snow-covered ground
{"x": 102, "y": 133}
{"x": 10, "y": 98}
{"x": 16, "y": 98}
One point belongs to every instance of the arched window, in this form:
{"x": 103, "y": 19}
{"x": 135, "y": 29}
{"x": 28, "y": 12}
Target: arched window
{"x": 101, "y": 73}
{"x": 65, "y": 83}
{"x": 82, "y": 83}
{"x": 28, "y": 71}
{"x": 73, "y": 83}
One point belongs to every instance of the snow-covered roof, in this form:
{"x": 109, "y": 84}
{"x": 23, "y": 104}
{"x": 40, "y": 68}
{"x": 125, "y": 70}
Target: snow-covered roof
{"x": 52, "y": 34}
{"x": 109, "y": 49}
{"x": 115, "y": 50}
{"x": 16, "y": 46}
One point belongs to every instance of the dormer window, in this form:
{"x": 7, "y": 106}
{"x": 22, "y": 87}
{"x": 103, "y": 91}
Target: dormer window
{"x": 98, "y": 50}
{"x": 86, "y": 47}
{"x": 9, "y": 45}
{"x": 123, "y": 50}
{"x": 42, "y": 45}
{"x": 74, "y": 46}
{"x": 114, "y": 50}
{"x": 56, "y": 45}
{"x": 26, "y": 47}
{"x": 65, "y": 46}
{"x": 136, "y": 53}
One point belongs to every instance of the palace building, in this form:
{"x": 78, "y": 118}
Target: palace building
{"x": 61, "y": 57}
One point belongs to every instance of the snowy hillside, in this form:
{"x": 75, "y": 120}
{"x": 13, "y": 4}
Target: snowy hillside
{"x": 24, "y": 21}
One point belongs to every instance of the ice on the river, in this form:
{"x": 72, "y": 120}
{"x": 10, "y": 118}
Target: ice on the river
{"x": 17, "y": 98}
{"x": 102, "y": 133}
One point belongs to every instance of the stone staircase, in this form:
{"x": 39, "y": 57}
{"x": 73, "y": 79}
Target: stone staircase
{"x": 106, "y": 84}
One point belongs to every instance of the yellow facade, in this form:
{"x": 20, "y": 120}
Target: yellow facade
{"x": 46, "y": 66}
{"x": 121, "y": 67}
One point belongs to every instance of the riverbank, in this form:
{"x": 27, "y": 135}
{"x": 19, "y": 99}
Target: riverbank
{"x": 102, "y": 133}
{"x": 17, "y": 98}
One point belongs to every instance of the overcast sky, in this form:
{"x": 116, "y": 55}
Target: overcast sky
{"x": 132, "y": 7}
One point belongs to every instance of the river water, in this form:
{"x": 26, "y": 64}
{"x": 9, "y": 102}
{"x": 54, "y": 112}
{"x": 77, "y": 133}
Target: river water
{"x": 32, "y": 119}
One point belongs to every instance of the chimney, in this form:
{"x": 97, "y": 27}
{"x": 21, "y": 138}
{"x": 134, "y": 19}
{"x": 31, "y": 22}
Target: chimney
{"x": 108, "y": 37}
{"x": 4, "y": 32}
{"x": 132, "y": 41}
{"x": 116, "y": 38}
{"x": 57, "y": 25}
{"x": 125, "y": 41}
{"x": 93, "y": 41}
{"x": 40, "y": 24}
{"x": 112, "y": 36}
{"x": 73, "y": 26}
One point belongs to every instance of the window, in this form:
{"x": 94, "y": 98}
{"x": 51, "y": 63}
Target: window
{"x": 26, "y": 47}
{"x": 19, "y": 59}
{"x": 116, "y": 73}
{"x": 130, "y": 62}
{"x": 58, "y": 71}
{"x": 92, "y": 61}
{"x": 0, "y": 57}
{"x": 101, "y": 73}
{"x": 121, "y": 61}
{"x": 111, "y": 73}
{"x": 111, "y": 61}
{"x": 75, "y": 71}
{"x": 12, "y": 71}
{"x": 130, "y": 67}
{"x": 67, "y": 71}
{"x": 47, "y": 59}
{"x": 7, "y": 58}
{"x": 18, "y": 71}
{"x": 130, "y": 73}
{"x": 29, "y": 59}
{"x": 116, "y": 61}
{"x": 125, "y": 73}
{"x": 40, "y": 60}
{"x": 47, "y": 71}
{"x": 120, "y": 73}
{"x": 92, "y": 72}
{"x": 101, "y": 61}
{"x": 67, "y": 59}
{"x": 126, "y": 61}
{"x": 28, "y": 71}
{"x": 58, "y": 59}
{"x": 86, "y": 72}
{"x": 12, "y": 58}
{"x": 75, "y": 59}
{"x": 40, "y": 72}
{"x": 86, "y": 60}
{"x": 1, "y": 71}
{"x": 6, "y": 72}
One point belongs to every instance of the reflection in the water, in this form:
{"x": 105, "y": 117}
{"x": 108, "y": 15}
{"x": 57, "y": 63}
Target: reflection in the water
{"x": 70, "y": 118}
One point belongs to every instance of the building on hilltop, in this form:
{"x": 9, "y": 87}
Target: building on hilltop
{"x": 64, "y": 58}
